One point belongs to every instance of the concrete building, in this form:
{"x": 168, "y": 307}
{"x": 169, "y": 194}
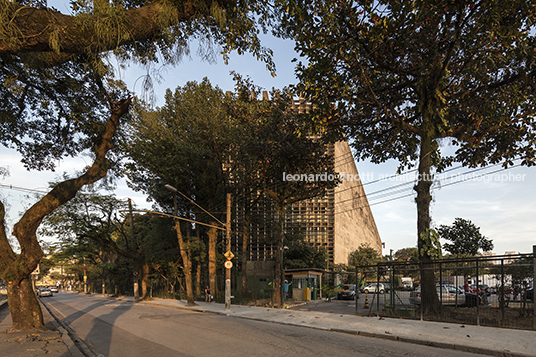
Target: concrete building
{"x": 341, "y": 221}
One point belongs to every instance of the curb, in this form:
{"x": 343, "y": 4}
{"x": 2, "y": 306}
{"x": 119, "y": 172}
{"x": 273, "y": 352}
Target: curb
{"x": 76, "y": 346}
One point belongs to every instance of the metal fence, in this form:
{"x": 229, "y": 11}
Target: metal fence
{"x": 488, "y": 291}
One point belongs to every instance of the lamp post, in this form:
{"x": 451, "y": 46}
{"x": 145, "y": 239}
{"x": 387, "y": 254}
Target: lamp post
{"x": 229, "y": 255}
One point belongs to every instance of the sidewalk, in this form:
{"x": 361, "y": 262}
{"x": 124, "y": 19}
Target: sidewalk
{"x": 54, "y": 342}
{"x": 477, "y": 339}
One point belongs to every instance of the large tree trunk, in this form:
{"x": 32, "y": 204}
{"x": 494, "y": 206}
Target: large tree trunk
{"x": 429, "y": 298}
{"x": 186, "y": 266}
{"x": 198, "y": 279}
{"x": 212, "y": 258}
{"x": 25, "y": 309}
{"x": 278, "y": 246}
{"x": 144, "y": 276}
{"x": 15, "y": 269}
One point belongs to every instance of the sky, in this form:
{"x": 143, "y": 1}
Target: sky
{"x": 502, "y": 204}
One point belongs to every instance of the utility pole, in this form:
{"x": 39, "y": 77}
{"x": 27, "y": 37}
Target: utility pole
{"x": 228, "y": 255}
{"x": 136, "y": 289}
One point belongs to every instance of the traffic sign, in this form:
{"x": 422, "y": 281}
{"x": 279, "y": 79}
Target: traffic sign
{"x": 229, "y": 255}
{"x": 228, "y": 264}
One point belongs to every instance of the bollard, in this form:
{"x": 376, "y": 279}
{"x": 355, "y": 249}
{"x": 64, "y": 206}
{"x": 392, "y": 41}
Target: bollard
{"x": 366, "y": 301}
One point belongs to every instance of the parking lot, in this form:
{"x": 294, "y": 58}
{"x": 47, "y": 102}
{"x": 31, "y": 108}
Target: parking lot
{"x": 369, "y": 304}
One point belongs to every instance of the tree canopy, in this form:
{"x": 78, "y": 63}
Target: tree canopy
{"x": 428, "y": 83}
{"x": 362, "y": 256}
{"x": 464, "y": 238}
{"x": 301, "y": 255}
{"x": 407, "y": 254}
{"x": 140, "y": 30}
{"x": 60, "y": 98}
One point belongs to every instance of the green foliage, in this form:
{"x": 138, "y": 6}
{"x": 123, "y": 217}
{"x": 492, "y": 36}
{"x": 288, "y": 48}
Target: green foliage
{"x": 302, "y": 255}
{"x": 402, "y": 71}
{"x": 405, "y": 79}
{"x": 464, "y": 238}
{"x": 53, "y": 97}
{"x": 431, "y": 246}
{"x": 278, "y": 141}
{"x": 363, "y": 256}
{"x": 407, "y": 255}
{"x": 184, "y": 144}
{"x": 47, "y": 114}
{"x": 142, "y": 31}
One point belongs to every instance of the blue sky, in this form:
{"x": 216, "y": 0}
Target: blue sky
{"x": 502, "y": 206}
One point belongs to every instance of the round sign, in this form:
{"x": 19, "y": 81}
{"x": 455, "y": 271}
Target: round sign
{"x": 228, "y": 264}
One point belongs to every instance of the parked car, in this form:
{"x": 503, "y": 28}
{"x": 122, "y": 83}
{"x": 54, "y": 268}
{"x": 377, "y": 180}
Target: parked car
{"x": 481, "y": 288}
{"x": 374, "y": 287}
{"x": 347, "y": 293}
{"x": 449, "y": 295}
{"x": 54, "y": 289}
{"x": 44, "y": 292}
{"x": 486, "y": 289}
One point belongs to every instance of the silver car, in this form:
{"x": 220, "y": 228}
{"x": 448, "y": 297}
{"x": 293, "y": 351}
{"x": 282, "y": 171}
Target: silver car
{"x": 448, "y": 295}
{"x": 45, "y": 292}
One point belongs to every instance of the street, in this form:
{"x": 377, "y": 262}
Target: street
{"x": 114, "y": 328}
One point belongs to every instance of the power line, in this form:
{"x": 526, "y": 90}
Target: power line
{"x": 23, "y": 189}
{"x": 467, "y": 178}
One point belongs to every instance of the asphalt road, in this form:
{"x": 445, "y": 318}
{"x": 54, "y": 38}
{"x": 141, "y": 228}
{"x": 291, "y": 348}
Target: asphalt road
{"x": 113, "y": 328}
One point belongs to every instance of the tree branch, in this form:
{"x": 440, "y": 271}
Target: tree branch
{"x": 25, "y": 229}
{"x": 7, "y": 254}
{"x": 34, "y": 28}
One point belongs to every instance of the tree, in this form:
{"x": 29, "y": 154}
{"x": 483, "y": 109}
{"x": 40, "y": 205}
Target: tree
{"x": 400, "y": 78}
{"x": 362, "y": 256}
{"x": 144, "y": 30}
{"x": 15, "y": 269}
{"x": 465, "y": 238}
{"x": 407, "y": 254}
{"x": 281, "y": 143}
{"x": 54, "y": 99}
{"x": 91, "y": 219}
{"x": 185, "y": 144}
{"x": 301, "y": 255}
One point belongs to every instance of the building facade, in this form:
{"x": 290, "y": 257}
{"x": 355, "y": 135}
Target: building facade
{"x": 340, "y": 221}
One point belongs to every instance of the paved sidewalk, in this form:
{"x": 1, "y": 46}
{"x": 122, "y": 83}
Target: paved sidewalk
{"x": 54, "y": 342}
{"x": 477, "y": 339}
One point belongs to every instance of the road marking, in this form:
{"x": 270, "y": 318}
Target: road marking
{"x": 56, "y": 310}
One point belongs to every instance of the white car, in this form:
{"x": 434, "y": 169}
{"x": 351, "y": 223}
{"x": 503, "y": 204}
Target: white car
{"x": 45, "y": 292}
{"x": 374, "y": 287}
